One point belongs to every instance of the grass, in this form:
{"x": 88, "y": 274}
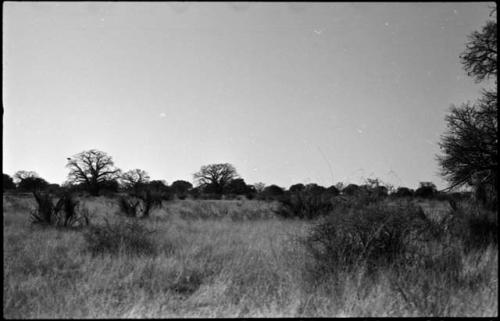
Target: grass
{"x": 221, "y": 259}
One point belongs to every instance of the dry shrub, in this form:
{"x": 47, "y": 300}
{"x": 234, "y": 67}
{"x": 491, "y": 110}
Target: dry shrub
{"x": 128, "y": 236}
{"x": 62, "y": 214}
{"x": 129, "y": 207}
{"x": 474, "y": 225}
{"x": 372, "y": 237}
{"x": 305, "y": 205}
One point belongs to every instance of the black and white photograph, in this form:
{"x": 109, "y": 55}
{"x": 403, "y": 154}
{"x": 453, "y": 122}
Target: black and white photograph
{"x": 179, "y": 159}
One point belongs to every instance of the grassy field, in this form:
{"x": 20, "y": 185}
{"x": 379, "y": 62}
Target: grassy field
{"x": 221, "y": 259}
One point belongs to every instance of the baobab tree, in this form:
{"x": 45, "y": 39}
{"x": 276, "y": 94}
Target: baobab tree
{"x": 216, "y": 176}
{"x": 29, "y": 181}
{"x": 134, "y": 179}
{"x": 93, "y": 168}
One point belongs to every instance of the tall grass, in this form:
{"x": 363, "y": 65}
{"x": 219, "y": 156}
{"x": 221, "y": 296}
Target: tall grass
{"x": 204, "y": 266}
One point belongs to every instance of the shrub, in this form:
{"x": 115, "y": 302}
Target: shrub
{"x": 475, "y": 226}
{"x": 304, "y": 205}
{"x": 151, "y": 200}
{"x": 129, "y": 237}
{"x": 45, "y": 212}
{"x": 374, "y": 236}
{"x": 146, "y": 200}
{"x": 63, "y": 214}
{"x": 426, "y": 190}
{"x": 129, "y": 207}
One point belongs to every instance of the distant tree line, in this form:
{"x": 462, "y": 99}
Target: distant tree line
{"x": 94, "y": 172}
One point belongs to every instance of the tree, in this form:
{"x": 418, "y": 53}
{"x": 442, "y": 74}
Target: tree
{"x": 181, "y": 187}
{"x": 296, "y": 188}
{"x": 469, "y": 146}
{"x": 238, "y": 187}
{"x": 134, "y": 178}
{"x": 314, "y": 188}
{"x": 273, "y": 191}
{"x": 351, "y": 189}
{"x": 480, "y": 57}
{"x": 333, "y": 190}
{"x": 403, "y": 192}
{"x": 29, "y": 181}
{"x": 426, "y": 190}
{"x": 92, "y": 168}
{"x": 22, "y": 175}
{"x": 216, "y": 176}
{"x": 160, "y": 188}
{"x": 8, "y": 182}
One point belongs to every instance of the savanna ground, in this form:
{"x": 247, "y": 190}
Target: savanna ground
{"x": 195, "y": 258}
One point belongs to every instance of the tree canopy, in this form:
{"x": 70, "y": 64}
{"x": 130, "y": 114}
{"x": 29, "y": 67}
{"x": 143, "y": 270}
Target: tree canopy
{"x": 92, "y": 168}
{"x": 470, "y": 145}
{"x": 216, "y": 176}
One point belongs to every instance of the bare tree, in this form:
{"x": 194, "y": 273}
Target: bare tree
{"x": 216, "y": 176}
{"x": 470, "y": 145}
{"x": 134, "y": 178}
{"x": 480, "y": 57}
{"x": 29, "y": 181}
{"x": 92, "y": 168}
{"x": 22, "y": 175}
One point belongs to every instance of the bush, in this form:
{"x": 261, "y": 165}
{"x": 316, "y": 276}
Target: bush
{"x": 129, "y": 237}
{"x": 63, "y": 214}
{"x": 129, "y": 207}
{"x": 304, "y": 205}
{"x": 373, "y": 237}
{"x": 475, "y": 226}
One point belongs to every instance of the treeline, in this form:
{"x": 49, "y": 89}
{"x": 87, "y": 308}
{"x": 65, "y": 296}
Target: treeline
{"x": 93, "y": 172}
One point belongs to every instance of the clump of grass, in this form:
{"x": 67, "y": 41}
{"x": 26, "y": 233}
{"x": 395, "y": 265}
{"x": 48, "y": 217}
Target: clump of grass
{"x": 129, "y": 237}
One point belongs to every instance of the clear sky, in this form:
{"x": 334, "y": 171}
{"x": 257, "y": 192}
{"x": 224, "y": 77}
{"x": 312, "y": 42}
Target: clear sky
{"x": 287, "y": 93}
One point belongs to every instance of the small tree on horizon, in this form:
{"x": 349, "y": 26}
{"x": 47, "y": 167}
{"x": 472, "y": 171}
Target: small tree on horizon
{"x": 134, "y": 178}
{"x": 29, "y": 181}
{"x": 216, "y": 176}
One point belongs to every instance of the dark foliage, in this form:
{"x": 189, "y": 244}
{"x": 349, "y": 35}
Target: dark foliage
{"x": 62, "y": 214}
{"x": 304, "y": 205}
{"x": 30, "y": 184}
{"x": 181, "y": 188}
{"x": 296, "y": 188}
{"x": 350, "y": 189}
{"x": 426, "y": 190}
{"x": 372, "y": 237}
{"x": 8, "y": 183}
{"x": 403, "y": 192}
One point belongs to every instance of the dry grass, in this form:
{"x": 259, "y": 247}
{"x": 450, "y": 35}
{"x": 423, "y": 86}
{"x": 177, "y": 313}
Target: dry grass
{"x": 212, "y": 259}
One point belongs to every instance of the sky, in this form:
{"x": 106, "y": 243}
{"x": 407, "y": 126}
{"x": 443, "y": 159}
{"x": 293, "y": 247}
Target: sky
{"x": 286, "y": 92}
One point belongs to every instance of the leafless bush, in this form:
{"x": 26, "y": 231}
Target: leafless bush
{"x": 62, "y": 214}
